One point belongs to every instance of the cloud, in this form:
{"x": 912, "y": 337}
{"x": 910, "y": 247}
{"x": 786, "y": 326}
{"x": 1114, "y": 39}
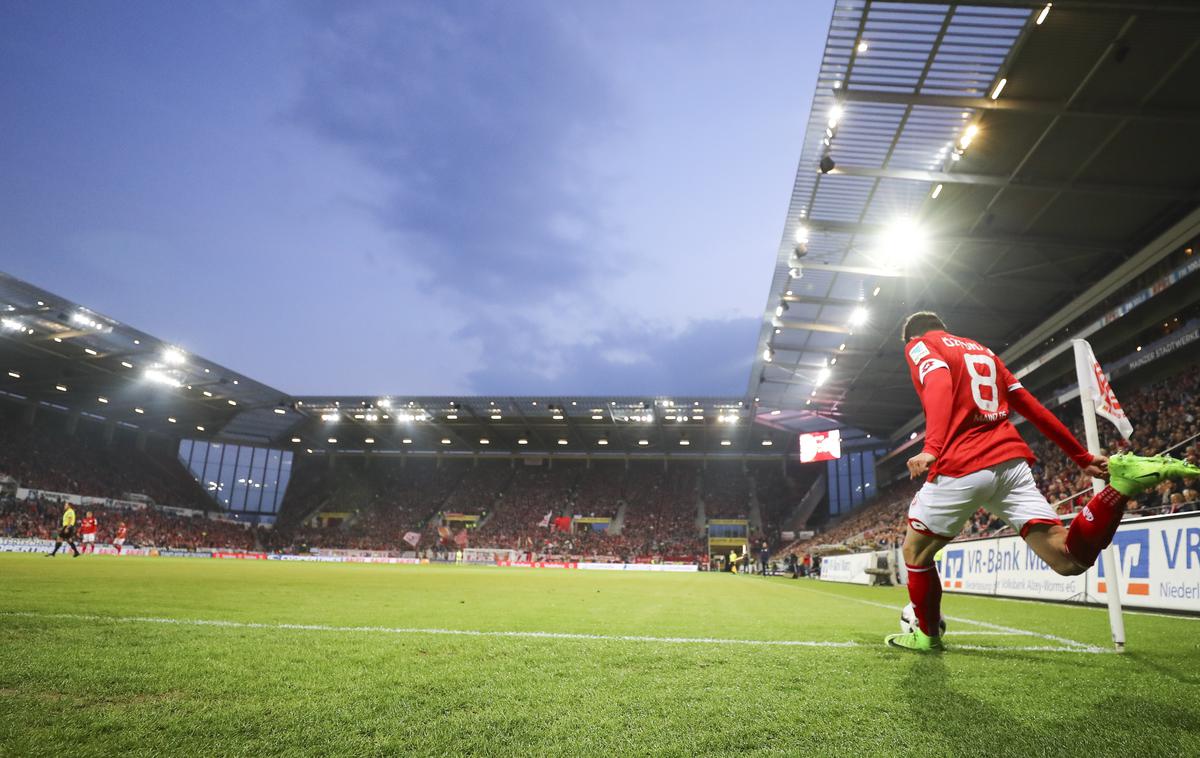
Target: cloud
{"x": 708, "y": 357}
{"x": 478, "y": 116}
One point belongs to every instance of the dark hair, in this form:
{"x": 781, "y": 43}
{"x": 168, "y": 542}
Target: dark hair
{"x": 921, "y": 322}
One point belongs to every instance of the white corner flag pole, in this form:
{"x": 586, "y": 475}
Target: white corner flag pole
{"x": 1083, "y": 361}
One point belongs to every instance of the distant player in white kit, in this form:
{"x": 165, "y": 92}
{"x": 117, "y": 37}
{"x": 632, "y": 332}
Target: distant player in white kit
{"x": 974, "y": 457}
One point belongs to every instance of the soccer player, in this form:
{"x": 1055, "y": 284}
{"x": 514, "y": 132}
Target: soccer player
{"x": 67, "y": 533}
{"x": 974, "y": 457}
{"x": 119, "y": 540}
{"x": 87, "y": 532}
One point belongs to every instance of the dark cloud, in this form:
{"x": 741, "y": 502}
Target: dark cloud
{"x": 479, "y": 116}
{"x": 709, "y": 357}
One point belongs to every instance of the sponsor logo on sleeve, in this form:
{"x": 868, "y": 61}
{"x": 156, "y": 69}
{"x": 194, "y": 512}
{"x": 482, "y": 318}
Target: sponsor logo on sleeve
{"x": 917, "y": 352}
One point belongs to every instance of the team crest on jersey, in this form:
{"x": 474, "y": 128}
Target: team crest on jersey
{"x": 917, "y": 352}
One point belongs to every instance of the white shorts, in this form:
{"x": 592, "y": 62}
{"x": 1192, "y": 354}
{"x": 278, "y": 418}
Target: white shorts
{"x": 119, "y": 541}
{"x": 89, "y": 537}
{"x": 941, "y": 507}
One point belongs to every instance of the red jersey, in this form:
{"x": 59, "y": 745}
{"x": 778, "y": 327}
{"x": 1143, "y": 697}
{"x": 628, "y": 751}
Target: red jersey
{"x": 967, "y": 393}
{"x": 120, "y": 532}
{"x": 87, "y": 525}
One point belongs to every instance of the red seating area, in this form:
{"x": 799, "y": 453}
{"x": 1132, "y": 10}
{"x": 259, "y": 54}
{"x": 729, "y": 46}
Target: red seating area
{"x": 600, "y": 490}
{"x": 534, "y": 492}
{"x": 660, "y": 512}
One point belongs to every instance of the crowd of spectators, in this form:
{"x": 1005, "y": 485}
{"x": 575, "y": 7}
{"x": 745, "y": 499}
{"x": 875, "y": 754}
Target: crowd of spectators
{"x": 376, "y": 502}
{"x": 534, "y": 493}
{"x": 46, "y": 457}
{"x": 39, "y": 518}
{"x": 725, "y": 489}
{"x": 600, "y": 490}
{"x": 778, "y": 493}
{"x": 661, "y": 510}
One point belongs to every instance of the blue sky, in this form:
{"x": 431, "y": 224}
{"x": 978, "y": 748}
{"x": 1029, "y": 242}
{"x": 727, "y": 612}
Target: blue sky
{"x": 414, "y": 198}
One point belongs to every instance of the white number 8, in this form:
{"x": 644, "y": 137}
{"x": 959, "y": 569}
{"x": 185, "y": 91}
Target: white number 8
{"x": 980, "y": 380}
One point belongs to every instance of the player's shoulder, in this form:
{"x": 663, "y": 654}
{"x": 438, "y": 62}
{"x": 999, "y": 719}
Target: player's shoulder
{"x": 953, "y": 342}
{"x": 927, "y": 345}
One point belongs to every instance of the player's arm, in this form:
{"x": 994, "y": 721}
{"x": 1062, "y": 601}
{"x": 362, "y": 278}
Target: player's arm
{"x": 1023, "y": 402}
{"x": 937, "y": 398}
{"x": 931, "y": 378}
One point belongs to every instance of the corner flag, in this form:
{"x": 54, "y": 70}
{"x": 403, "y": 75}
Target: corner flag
{"x": 1093, "y": 381}
{"x": 1097, "y": 398}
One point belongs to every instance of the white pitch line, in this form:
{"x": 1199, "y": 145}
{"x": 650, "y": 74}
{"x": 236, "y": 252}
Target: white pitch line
{"x": 514, "y": 634}
{"x": 431, "y": 631}
{"x": 1081, "y": 646}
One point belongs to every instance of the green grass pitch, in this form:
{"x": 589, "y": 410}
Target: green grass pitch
{"x": 89, "y": 665}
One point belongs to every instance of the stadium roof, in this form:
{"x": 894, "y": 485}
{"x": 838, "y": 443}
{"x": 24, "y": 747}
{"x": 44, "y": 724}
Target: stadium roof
{"x": 60, "y": 355}
{"x": 994, "y": 161}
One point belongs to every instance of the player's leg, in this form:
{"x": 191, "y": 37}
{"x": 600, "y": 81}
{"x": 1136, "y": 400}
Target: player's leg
{"x": 936, "y": 514}
{"x": 1019, "y": 502}
{"x": 1129, "y": 475}
{"x": 924, "y": 584}
{"x": 1049, "y": 542}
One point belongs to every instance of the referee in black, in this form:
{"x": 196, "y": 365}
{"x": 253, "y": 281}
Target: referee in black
{"x": 67, "y": 533}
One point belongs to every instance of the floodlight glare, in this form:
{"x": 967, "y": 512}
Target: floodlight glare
{"x": 835, "y": 115}
{"x": 902, "y": 242}
{"x": 161, "y": 377}
{"x": 859, "y": 317}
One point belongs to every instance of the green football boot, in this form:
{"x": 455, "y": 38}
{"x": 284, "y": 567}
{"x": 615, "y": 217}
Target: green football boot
{"x": 1131, "y": 474}
{"x": 916, "y": 640}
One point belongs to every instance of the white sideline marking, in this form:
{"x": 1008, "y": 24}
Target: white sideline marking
{"x": 1073, "y": 644}
{"x": 1101, "y": 608}
{"x": 528, "y": 635}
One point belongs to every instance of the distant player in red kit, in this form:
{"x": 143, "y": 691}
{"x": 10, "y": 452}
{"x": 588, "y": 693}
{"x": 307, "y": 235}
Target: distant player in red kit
{"x": 87, "y": 532}
{"x": 974, "y": 457}
{"x": 119, "y": 540}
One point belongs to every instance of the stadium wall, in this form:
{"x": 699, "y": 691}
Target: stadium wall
{"x": 1159, "y": 558}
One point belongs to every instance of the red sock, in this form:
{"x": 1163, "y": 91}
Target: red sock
{"x": 1092, "y": 530}
{"x": 925, "y": 592}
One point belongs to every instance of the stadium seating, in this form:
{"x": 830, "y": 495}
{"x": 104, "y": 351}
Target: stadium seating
{"x": 382, "y": 499}
{"x": 46, "y": 457}
{"x": 148, "y": 527}
{"x": 726, "y": 491}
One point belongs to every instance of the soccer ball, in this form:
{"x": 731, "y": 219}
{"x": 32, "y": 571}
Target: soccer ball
{"x": 908, "y": 620}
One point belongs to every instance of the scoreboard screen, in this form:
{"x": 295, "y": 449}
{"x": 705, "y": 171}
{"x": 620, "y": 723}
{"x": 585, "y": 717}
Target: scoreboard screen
{"x": 820, "y": 446}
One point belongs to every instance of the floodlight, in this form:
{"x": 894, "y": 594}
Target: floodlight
{"x": 902, "y": 242}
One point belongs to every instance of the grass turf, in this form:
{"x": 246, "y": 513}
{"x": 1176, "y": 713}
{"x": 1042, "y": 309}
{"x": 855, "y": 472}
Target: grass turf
{"x": 102, "y": 686}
